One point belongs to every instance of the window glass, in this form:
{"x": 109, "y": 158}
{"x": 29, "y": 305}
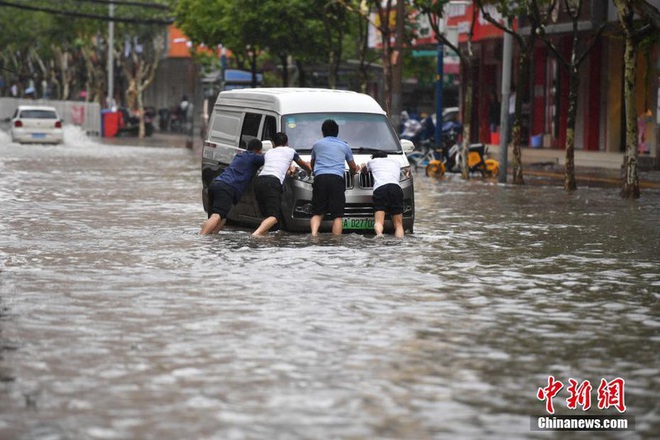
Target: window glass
{"x": 38, "y": 114}
{"x": 358, "y": 130}
{"x": 250, "y": 128}
{"x": 270, "y": 128}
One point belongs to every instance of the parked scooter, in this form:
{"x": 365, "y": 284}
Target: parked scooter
{"x": 452, "y": 158}
{"x": 426, "y": 154}
{"x": 412, "y": 129}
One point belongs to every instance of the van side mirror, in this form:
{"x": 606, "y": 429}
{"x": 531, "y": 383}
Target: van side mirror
{"x": 407, "y": 146}
{"x": 266, "y": 145}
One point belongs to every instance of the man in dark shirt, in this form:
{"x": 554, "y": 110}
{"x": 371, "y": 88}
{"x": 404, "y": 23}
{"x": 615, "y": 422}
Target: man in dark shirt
{"x": 227, "y": 189}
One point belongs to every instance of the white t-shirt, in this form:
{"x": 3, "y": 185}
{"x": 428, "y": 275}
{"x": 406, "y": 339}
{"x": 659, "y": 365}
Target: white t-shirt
{"x": 277, "y": 162}
{"x": 385, "y": 170}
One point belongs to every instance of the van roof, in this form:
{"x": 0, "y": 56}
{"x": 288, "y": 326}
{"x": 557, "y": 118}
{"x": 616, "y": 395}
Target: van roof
{"x": 301, "y": 100}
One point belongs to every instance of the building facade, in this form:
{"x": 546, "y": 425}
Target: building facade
{"x": 600, "y": 124}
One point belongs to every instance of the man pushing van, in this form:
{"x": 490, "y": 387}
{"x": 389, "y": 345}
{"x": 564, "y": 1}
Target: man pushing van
{"x": 228, "y": 188}
{"x": 328, "y": 189}
{"x": 268, "y": 184}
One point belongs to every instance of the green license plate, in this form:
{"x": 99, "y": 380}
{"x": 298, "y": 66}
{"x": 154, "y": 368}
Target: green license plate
{"x": 358, "y": 223}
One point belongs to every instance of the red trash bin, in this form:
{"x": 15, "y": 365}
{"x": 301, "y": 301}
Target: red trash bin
{"x": 112, "y": 121}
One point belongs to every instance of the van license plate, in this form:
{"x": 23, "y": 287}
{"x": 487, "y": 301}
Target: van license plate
{"x": 358, "y": 223}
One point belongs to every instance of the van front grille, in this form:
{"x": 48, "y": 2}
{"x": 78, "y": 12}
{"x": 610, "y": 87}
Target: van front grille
{"x": 366, "y": 180}
{"x": 348, "y": 179}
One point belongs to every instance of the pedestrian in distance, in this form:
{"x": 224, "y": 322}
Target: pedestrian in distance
{"x": 228, "y": 188}
{"x": 329, "y": 155}
{"x": 387, "y": 193}
{"x": 268, "y": 184}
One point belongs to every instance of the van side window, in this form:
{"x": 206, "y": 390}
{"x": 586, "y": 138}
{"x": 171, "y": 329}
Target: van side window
{"x": 224, "y": 127}
{"x": 250, "y": 128}
{"x": 270, "y": 128}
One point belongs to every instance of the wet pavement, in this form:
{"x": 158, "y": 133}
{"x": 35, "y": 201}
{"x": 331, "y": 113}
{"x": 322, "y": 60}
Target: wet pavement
{"x": 118, "y": 321}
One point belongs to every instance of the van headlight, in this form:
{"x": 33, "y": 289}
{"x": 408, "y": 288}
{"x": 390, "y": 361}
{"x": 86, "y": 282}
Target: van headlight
{"x": 302, "y": 176}
{"x": 405, "y": 174}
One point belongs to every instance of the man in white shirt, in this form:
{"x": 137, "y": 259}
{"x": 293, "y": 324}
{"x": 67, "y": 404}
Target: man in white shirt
{"x": 268, "y": 184}
{"x": 387, "y": 195}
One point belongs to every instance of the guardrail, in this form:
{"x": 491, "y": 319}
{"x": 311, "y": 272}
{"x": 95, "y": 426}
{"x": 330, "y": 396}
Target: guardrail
{"x": 86, "y": 115}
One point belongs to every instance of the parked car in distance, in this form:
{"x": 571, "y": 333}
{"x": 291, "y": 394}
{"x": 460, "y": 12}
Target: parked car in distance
{"x": 36, "y": 124}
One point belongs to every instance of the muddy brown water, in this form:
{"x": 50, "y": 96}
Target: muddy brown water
{"x": 118, "y": 321}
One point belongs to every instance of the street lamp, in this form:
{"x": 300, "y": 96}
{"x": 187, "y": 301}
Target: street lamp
{"x": 111, "y": 42}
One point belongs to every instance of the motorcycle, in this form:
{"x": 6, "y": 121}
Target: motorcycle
{"x": 130, "y": 125}
{"x": 452, "y": 157}
{"x": 412, "y": 129}
{"x": 428, "y": 157}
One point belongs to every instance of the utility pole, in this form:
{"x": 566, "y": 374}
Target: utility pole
{"x": 438, "y": 94}
{"x": 111, "y": 43}
{"x": 397, "y": 71}
{"x": 507, "y": 56}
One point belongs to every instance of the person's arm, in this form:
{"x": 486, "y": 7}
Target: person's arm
{"x": 353, "y": 167}
{"x": 351, "y": 162}
{"x": 304, "y": 165}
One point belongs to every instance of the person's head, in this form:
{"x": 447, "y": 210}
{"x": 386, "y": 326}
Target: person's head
{"x": 378, "y": 154}
{"x": 330, "y": 128}
{"x": 254, "y": 145}
{"x": 280, "y": 139}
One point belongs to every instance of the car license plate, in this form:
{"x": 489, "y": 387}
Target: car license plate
{"x": 38, "y": 135}
{"x": 358, "y": 223}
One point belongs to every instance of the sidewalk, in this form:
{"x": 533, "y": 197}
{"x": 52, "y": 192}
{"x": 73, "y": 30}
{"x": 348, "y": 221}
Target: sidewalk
{"x": 157, "y": 139}
{"x": 540, "y": 165}
{"x": 592, "y": 168}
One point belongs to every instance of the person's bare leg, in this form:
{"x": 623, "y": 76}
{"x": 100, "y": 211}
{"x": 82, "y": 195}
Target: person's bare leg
{"x": 337, "y": 227}
{"x": 315, "y": 224}
{"x": 265, "y": 226}
{"x": 220, "y": 226}
{"x": 379, "y": 222}
{"x": 210, "y": 225}
{"x": 397, "y": 219}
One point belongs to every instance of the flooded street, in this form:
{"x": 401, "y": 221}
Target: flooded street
{"x": 118, "y": 321}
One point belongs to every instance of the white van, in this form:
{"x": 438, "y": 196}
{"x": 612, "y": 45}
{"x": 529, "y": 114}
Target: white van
{"x": 241, "y": 115}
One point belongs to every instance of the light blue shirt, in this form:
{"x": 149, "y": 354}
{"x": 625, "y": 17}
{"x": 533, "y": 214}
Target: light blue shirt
{"x": 329, "y": 155}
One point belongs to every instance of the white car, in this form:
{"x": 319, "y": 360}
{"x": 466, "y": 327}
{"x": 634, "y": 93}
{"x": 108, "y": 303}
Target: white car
{"x": 36, "y": 124}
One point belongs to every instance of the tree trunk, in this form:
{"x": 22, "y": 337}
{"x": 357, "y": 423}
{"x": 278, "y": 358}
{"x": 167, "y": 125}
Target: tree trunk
{"x": 284, "y": 60}
{"x": 467, "y": 114}
{"x": 569, "y": 179}
{"x": 630, "y": 187}
{"x": 516, "y": 130}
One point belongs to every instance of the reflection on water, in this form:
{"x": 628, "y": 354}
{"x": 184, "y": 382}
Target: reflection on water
{"x": 118, "y": 321}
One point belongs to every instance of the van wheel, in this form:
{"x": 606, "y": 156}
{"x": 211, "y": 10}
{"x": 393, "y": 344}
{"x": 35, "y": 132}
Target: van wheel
{"x": 205, "y": 199}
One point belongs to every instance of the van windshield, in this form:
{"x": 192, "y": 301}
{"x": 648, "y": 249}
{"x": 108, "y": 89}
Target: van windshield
{"x": 368, "y": 132}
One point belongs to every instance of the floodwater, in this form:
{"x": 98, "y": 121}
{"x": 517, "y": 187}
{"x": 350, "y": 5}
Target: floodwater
{"x": 118, "y": 321}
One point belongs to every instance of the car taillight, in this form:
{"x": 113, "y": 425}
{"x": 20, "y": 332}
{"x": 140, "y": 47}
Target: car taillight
{"x": 18, "y": 124}
{"x": 58, "y": 124}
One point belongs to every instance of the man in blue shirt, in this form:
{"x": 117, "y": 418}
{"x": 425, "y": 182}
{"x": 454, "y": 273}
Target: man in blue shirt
{"x": 227, "y": 189}
{"x": 328, "y": 156}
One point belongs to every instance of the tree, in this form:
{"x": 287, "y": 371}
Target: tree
{"x": 634, "y": 33}
{"x": 435, "y": 10}
{"x": 511, "y": 11}
{"x": 574, "y": 9}
{"x": 139, "y": 63}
